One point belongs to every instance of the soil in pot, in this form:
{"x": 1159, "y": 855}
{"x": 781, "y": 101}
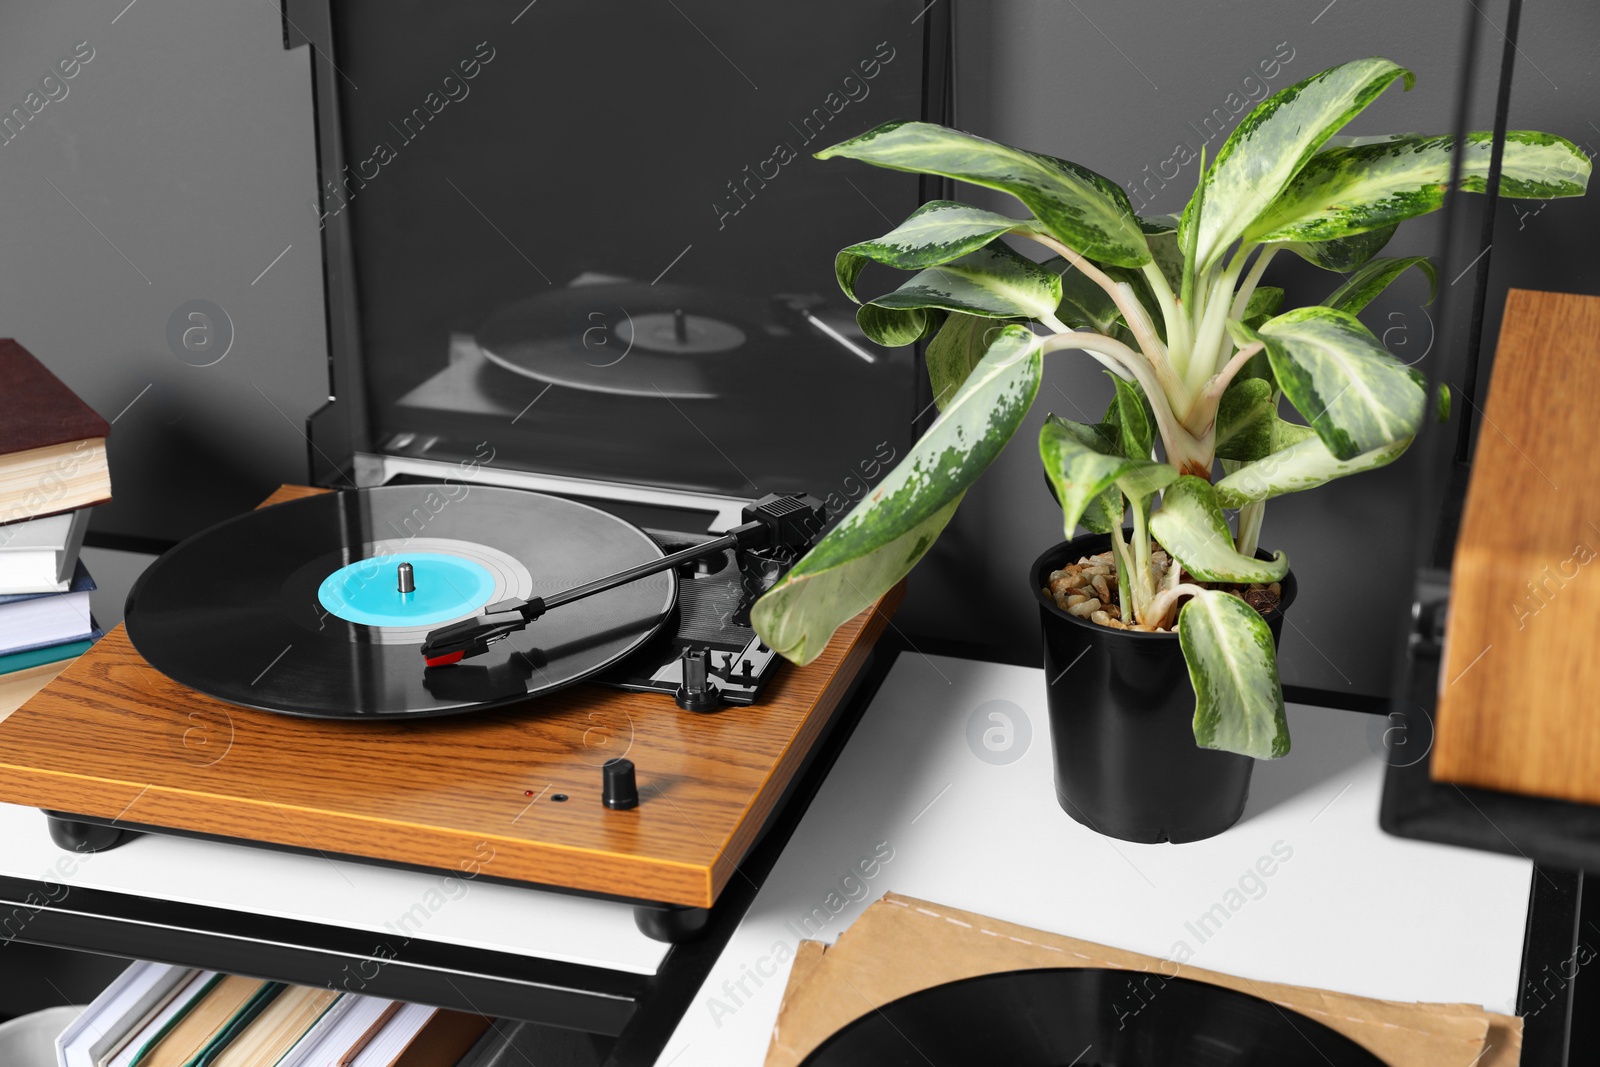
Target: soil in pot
{"x": 1088, "y": 590}
{"x": 1121, "y": 718}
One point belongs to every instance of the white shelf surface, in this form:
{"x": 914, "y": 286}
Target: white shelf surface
{"x": 394, "y": 905}
{"x": 1349, "y": 909}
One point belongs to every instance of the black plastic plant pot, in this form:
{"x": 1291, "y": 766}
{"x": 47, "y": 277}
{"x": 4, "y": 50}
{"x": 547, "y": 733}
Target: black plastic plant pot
{"x": 1122, "y": 723}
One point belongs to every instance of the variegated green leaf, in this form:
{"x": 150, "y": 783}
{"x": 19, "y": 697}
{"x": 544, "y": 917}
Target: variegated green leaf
{"x": 1262, "y": 305}
{"x": 1131, "y": 415}
{"x": 1082, "y": 464}
{"x": 1087, "y": 211}
{"x": 1365, "y": 284}
{"x": 1103, "y": 512}
{"x": 1286, "y": 433}
{"x": 1090, "y": 476}
{"x": 1233, "y": 666}
{"x": 1146, "y": 480}
{"x": 956, "y": 349}
{"x": 1344, "y": 254}
{"x": 1108, "y": 510}
{"x": 935, "y": 233}
{"x": 1349, "y": 190}
{"x": 1161, "y": 234}
{"x": 1132, "y": 419}
{"x": 993, "y": 282}
{"x": 895, "y": 327}
{"x": 1272, "y": 143}
{"x": 1349, "y": 388}
{"x": 1345, "y": 140}
{"x": 1245, "y": 415}
{"x": 1300, "y": 465}
{"x": 1191, "y": 527}
{"x": 884, "y": 535}
{"x": 798, "y": 616}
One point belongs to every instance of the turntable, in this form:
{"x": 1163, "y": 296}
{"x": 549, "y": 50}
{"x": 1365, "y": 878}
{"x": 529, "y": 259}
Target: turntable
{"x": 494, "y": 680}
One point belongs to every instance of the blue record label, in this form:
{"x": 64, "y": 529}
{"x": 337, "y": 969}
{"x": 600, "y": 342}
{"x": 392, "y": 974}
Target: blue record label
{"x": 368, "y": 591}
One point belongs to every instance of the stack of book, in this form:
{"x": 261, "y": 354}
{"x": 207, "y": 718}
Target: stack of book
{"x": 52, "y": 470}
{"x": 156, "y": 1015}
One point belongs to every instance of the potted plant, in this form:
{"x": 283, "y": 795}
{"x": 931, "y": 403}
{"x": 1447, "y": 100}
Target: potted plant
{"x": 1156, "y": 732}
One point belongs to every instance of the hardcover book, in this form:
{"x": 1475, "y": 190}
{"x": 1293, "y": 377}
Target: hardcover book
{"x": 38, "y": 556}
{"x": 52, "y": 444}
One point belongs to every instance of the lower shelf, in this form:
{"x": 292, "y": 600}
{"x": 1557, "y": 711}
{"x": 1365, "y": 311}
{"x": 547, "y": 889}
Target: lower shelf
{"x": 669, "y": 923}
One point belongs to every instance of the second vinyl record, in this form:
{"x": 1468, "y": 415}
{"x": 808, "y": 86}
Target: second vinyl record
{"x": 295, "y": 608}
{"x": 1085, "y": 1017}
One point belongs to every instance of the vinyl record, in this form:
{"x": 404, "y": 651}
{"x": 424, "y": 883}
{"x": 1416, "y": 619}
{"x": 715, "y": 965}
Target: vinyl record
{"x": 657, "y": 341}
{"x": 297, "y": 608}
{"x": 1086, "y": 1017}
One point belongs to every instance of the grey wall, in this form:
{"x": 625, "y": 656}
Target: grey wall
{"x": 186, "y": 144}
{"x": 176, "y": 168}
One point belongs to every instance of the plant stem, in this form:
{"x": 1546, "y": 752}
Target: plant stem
{"x": 1212, "y": 334}
{"x": 1119, "y": 546}
{"x": 1177, "y": 325}
{"x": 1218, "y": 382}
{"x": 1141, "y": 535}
{"x": 1186, "y": 290}
{"x": 1241, "y": 300}
{"x": 1143, "y": 325}
{"x": 1133, "y": 313}
{"x": 1110, "y": 363}
{"x": 1178, "y": 441}
{"x": 1209, "y": 331}
{"x": 1249, "y": 538}
{"x": 1162, "y": 604}
{"x": 1123, "y": 299}
{"x": 1141, "y": 559}
{"x": 1196, "y": 313}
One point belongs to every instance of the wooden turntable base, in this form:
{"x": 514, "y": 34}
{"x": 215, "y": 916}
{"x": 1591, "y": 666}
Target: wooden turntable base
{"x": 509, "y": 794}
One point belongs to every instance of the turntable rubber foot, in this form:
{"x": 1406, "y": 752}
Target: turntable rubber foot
{"x": 674, "y": 925}
{"x": 75, "y": 835}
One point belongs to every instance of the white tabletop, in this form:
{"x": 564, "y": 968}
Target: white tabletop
{"x": 393, "y": 905}
{"x": 1346, "y": 907}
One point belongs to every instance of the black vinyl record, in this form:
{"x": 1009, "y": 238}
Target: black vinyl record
{"x": 659, "y": 341}
{"x": 1085, "y": 1017}
{"x": 295, "y": 608}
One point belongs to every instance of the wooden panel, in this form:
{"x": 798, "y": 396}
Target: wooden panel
{"x": 1518, "y": 708}
{"x": 113, "y": 738}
